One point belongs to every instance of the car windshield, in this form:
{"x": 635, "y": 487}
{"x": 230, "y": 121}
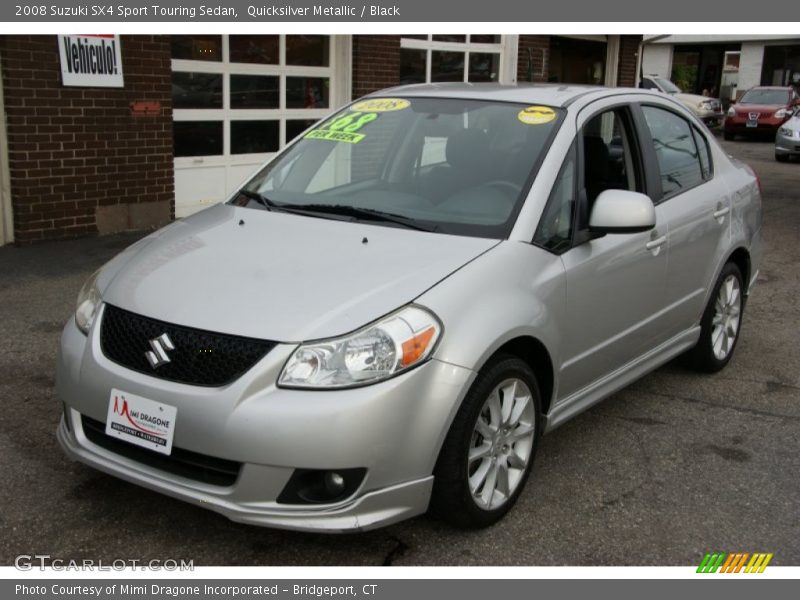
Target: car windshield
{"x": 765, "y": 96}
{"x": 440, "y": 164}
{"x": 668, "y": 86}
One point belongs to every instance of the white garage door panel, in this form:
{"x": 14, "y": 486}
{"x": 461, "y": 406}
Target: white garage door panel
{"x": 235, "y": 105}
{"x": 238, "y": 174}
{"x": 200, "y": 187}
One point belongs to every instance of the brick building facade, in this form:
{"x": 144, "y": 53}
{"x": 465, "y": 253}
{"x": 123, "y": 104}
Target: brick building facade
{"x": 80, "y": 161}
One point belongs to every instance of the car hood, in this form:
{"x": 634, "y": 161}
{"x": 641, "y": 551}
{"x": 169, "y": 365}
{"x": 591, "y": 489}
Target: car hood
{"x": 759, "y": 108}
{"x": 793, "y": 123}
{"x": 279, "y": 276}
{"x": 693, "y": 99}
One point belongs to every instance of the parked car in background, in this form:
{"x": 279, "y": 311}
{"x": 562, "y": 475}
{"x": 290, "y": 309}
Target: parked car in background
{"x": 787, "y": 141}
{"x": 389, "y": 315}
{"x": 708, "y": 110}
{"x": 761, "y": 110}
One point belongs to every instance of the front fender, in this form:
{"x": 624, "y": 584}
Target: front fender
{"x": 513, "y": 290}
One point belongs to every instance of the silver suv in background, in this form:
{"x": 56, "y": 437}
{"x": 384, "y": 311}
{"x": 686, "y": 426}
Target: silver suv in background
{"x": 708, "y": 110}
{"x": 390, "y": 314}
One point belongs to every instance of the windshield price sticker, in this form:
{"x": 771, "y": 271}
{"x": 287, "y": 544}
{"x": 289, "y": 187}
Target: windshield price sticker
{"x": 380, "y": 105}
{"x": 536, "y": 115}
{"x": 344, "y": 129}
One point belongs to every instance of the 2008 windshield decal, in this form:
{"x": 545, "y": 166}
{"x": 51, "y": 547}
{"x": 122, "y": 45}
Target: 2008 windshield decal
{"x": 343, "y": 129}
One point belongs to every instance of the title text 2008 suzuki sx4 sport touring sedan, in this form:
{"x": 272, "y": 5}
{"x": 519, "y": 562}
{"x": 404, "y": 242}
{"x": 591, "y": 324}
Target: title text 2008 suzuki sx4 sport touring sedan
{"x": 389, "y": 315}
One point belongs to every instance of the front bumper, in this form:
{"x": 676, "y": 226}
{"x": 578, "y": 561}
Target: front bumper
{"x": 763, "y": 126}
{"x": 709, "y": 117}
{"x": 394, "y": 429}
{"x": 787, "y": 146}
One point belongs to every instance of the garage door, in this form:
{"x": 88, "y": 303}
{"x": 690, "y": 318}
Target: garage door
{"x": 238, "y": 99}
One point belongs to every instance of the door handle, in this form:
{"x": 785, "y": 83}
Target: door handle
{"x": 718, "y": 214}
{"x": 656, "y": 243}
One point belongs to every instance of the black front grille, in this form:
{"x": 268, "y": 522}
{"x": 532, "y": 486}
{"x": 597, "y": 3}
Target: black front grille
{"x": 199, "y": 357}
{"x": 191, "y": 465}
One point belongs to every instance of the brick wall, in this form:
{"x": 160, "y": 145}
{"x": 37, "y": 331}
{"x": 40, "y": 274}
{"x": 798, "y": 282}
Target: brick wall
{"x": 628, "y": 56}
{"x": 376, "y": 63}
{"x": 80, "y": 163}
{"x": 539, "y": 46}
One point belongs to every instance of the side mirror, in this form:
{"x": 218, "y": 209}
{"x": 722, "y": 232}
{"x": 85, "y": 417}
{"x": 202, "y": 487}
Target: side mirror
{"x": 621, "y": 211}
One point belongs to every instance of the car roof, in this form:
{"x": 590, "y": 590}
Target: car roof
{"x": 784, "y": 88}
{"x": 549, "y": 94}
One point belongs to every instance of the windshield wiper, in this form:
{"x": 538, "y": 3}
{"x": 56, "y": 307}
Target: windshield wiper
{"x": 261, "y": 199}
{"x": 367, "y": 214}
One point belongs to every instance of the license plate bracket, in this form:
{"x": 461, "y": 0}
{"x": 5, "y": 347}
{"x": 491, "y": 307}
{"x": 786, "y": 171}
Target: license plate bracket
{"x": 140, "y": 421}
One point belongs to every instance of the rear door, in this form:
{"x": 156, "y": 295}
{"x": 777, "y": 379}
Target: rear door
{"x": 694, "y": 204}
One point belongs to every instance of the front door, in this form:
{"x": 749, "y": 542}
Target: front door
{"x": 615, "y": 283}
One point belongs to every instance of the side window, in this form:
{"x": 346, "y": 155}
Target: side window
{"x": 678, "y": 158}
{"x": 704, "y": 151}
{"x": 610, "y": 161}
{"x": 555, "y": 227}
{"x": 648, "y": 84}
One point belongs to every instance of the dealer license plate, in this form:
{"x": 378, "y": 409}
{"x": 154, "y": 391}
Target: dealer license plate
{"x": 140, "y": 421}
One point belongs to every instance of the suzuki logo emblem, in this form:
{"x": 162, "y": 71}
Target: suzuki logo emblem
{"x": 158, "y": 355}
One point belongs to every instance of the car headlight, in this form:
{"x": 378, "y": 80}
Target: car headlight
{"x": 786, "y": 131}
{"x": 88, "y": 302}
{"x": 376, "y": 352}
{"x": 731, "y": 112}
{"x": 705, "y": 105}
{"x": 782, "y": 113}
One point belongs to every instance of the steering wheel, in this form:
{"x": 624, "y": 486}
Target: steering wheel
{"x": 506, "y": 186}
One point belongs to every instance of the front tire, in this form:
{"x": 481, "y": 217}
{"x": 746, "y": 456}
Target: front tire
{"x": 721, "y": 323}
{"x": 782, "y": 157}
{"x": 488, "y": 453}
{"x": 728, "y": 136}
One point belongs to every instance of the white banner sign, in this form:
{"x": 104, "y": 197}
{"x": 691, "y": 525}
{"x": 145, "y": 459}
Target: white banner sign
{"x": 90, "y": 60}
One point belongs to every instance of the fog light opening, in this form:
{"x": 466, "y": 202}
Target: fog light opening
{"x": 317, "y": 486}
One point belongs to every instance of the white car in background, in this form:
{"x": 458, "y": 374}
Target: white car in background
{"x": 708, "y": 110}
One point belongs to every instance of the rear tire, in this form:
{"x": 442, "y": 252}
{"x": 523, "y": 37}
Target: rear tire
{"x": 721, "y": 323}
{"x": 488, "y": 453}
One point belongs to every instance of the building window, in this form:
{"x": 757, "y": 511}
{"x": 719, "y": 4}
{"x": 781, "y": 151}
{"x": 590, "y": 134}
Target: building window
{"x": 435, "y": 58}
{"x": 238, "y": 95}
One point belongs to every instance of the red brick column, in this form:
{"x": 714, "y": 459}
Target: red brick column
{"x": 628, "y": 57}
{"x": 80, "y": 163}
{"x": 376, "y": 63}
{"x": 539, "y": 46}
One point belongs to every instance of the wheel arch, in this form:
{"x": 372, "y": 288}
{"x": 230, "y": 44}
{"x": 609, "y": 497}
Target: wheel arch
{"x": 535, "y": 354}
{"x": 741, "y": 258}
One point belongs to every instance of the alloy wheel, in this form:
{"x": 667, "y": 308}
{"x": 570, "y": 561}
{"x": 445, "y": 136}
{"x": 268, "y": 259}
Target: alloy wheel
{"x": 501, "y": 444}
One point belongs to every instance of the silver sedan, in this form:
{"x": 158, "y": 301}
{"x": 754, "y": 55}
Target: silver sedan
{"x": 391, "y": 313}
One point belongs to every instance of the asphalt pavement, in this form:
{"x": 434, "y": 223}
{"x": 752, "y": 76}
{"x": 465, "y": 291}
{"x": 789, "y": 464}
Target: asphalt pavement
{"x": 674, "y": 466}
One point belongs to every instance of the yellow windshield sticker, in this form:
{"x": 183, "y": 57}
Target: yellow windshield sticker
{"x": 343, "y": 129}
{"x": 380, "y": 105}
{"x": 536, "y": 115}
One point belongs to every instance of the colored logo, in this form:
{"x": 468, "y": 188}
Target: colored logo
{"x": 536, "y": 115}
{"x": 381, "y": 105}
{"x": 735, "y": 562}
